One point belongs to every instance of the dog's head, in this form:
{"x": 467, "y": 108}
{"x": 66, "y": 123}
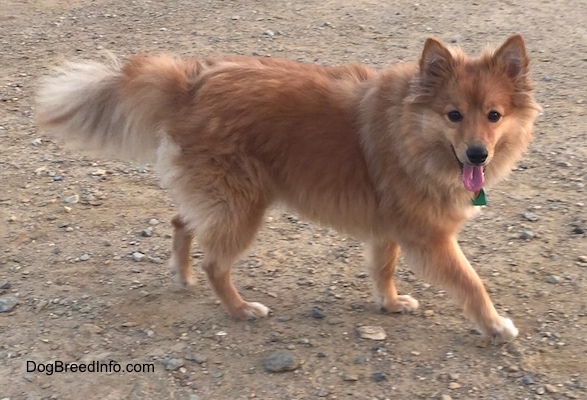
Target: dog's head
{"x": 482, "y": 108}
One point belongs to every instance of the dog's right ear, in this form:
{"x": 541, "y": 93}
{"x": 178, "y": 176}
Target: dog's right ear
{"x": 436, "y": 61}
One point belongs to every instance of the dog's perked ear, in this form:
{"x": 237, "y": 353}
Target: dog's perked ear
{"x": 512, "y": 56}
{"x": 436, "y": 61}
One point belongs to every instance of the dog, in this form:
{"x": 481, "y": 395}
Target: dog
{"x": 394, "y": 157}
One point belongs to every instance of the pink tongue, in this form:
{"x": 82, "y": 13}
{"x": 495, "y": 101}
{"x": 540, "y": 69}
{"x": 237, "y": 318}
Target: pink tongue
{"x": 473, "y": 177}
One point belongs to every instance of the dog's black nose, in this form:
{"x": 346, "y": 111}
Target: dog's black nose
{"x": 477, "y": 155}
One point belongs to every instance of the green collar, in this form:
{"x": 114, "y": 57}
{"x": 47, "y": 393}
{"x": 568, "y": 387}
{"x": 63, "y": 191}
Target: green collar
{"x": 480, "y": 199}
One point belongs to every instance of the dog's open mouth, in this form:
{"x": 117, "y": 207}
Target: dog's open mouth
{"x": 473, "y": 176}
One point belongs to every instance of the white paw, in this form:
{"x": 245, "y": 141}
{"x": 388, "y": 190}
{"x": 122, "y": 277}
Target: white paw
{"x": 254, "y": 310}
{"x": 504, "y": 331}
{"x": 400, "y": 304}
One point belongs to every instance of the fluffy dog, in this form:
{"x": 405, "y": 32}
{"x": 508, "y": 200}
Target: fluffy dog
{"x": 393, "y": 157}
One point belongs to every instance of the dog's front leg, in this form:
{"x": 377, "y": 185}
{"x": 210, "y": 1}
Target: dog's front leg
{"x": 441, "y": 261}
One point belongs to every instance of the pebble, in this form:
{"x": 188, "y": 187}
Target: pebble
{"x": 172, "y": 364}
{"x": 529, "y": 216}
{"x": 444, "y": 397}
{"x": 153, "y": 222}
{"x": 7, "y": 303}
{"x": 280, "y": 362}
{"x": 350, "y": 377}
{"x": 540, "y": 390}
{"x": 550, "y": 388}
{"x": 84, "y": 257}
{"x": 317, "y": 313}
{"x": 138, "y": 256}
{"x": 527, "y": 235}
{"x": 146, "y": 232}
{"x": 553, "y": 279}
{"x": 372, "y": 332}
{"x": 454, "y": 385}
{"x": 72, "y": 199}
{"x": 527, "y": 380}
{"x": 379, "y": 377}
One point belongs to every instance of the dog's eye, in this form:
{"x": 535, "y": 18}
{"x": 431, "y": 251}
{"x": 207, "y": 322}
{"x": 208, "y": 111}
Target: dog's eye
{"x": 454, "y": 116}
{"x": 493, "y": 116}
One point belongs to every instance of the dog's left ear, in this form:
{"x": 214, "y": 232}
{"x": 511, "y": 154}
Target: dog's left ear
{"x": 512, "y": 56}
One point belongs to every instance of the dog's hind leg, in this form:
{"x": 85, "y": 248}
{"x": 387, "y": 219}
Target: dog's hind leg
{"x": 442, "y": 262}
{"x": 228, "y": 234}
{"x": 180, "y": 254}
{"x": 382, "y": 262}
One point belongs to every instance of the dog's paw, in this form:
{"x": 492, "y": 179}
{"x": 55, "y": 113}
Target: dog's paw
{"x": 399, "y": 304}
{"x": 250, "y": 310}
{"x": 503, "y": 331}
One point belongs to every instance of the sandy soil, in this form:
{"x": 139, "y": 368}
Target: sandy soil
{"x": 70, "y": 224}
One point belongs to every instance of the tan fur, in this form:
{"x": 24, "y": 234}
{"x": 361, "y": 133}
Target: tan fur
{"x": 371, "y": 153}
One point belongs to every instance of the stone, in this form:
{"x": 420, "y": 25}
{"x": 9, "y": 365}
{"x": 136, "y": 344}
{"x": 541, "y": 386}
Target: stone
{"x": 280, "y": 362}
{"x": 379, "y": 377}
{"x": 317, "y": 313}
{"x": 138, "y": 256}
{"x": 172, "y": 364}
{"x": 372, "y": 332}
{"x": 7, "y": 303}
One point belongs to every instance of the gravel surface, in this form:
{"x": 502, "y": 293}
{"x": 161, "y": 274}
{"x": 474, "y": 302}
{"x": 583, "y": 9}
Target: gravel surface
{"x": 84, "y": 241}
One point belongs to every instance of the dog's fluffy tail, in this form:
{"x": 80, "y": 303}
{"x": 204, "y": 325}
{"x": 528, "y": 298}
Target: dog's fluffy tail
{"x": 113, "y": 109}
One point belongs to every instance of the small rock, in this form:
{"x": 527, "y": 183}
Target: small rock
{"x": 98, "y": 172}
{"x": 372, "y": 332}
{"x": 527, "y": 380}
{"x": 37, "y": 142}
{"x": 57, "y": 178}
{"x": 540, "y": 390}
{"x": 56, "y": 250}
{"x": 172, "y": 364}
{"x": 146, "y": 232}
{"x": 5, "y": 285}
{"x": 527, "y": 235}
{"x": 84, "y": 257}
{"x": 553, "y": 279}
{"x": 454, "y": 385}
{"x": 350, "y": 377}
{"x": 72, "y": 199}
{"x": 582, "y": 259}
{"x": 138, "y": 256}
{"x": 153, "y": 222}
{"x": 529, "y": 216}
{"x": 578, "y": 230}
{"x": 444, "y": 397}
{"x": 280, "y": 362}
{"x": 550, "y": 388}
{"x": 8, "y": 303}
{"x": 429, "y": 313}
{"x": 379, "y": 377}
{"x": 317, "y": 313}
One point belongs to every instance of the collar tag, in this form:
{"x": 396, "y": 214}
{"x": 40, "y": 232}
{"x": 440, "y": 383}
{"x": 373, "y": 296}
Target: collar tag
{"x": 480, "y": 198}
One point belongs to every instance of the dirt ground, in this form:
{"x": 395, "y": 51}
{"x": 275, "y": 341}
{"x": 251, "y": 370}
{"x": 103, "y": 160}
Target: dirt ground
{"x": 84, "y": 242}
